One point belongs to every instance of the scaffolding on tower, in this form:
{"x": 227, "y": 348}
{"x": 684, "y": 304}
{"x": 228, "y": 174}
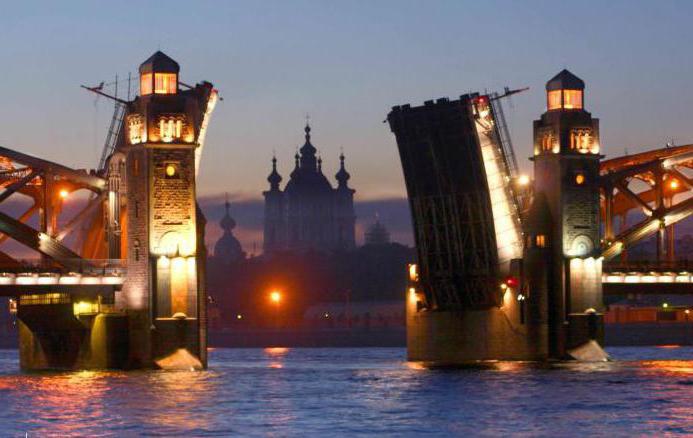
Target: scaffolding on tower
{"x": 115, "y": 126}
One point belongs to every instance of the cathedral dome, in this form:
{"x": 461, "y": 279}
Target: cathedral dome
{"x": 307, "y": 177}
{"x": 274, "y": 177}
{"x": 308, "y": 148}
{"x": 342, "y": 175}
{"x": 377, "y": 234}
{"x": 228, "y": 248}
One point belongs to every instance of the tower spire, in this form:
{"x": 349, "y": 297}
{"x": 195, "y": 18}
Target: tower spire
{"x": 342, "y": 175}
{"x": 308, "y": 160}
{"x": 227, "y": 223}
{"x": 274, "y": 178}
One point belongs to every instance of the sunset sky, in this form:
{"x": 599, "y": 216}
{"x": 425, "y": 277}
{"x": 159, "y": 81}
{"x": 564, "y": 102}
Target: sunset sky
{"x": 346, "y": 64}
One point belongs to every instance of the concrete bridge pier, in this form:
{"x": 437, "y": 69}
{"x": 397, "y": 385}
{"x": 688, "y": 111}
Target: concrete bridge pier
{"x": 52, "y": 336}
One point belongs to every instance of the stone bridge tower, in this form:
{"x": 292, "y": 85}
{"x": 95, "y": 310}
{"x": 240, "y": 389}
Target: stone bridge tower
{"x": 164, "y": 293}
{"x": 566, "y": 171}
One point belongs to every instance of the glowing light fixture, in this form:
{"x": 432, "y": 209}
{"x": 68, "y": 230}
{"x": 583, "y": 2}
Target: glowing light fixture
{"x": 579, "y": 179}
{"x": 239, "y": 316}
{"x": 674, "y": 184}
{"x": 523, "y": 180}
{"x": 84, "y": 307}
{"x": 413, "y": 272}
{"x": 64, "y": 193}
{"x": 412, "y": 295}
{"x": 170, "y": 170}
{"x": 275, "y": 297}
{"x": 665, "y": 305}
{"x": 506, "y": 221}
{"x": 512, "y": 281}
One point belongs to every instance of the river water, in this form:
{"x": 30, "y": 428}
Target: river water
{"x": 340, "y": 392}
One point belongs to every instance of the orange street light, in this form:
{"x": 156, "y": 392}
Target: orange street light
{"x": 275, "y": 297}
{"x": 674, "y": 184}
{"x": 64, "y": 193}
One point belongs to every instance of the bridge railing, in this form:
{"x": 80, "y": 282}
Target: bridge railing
{"x": 88, "y": 267}
{"x": 649, "y": 266}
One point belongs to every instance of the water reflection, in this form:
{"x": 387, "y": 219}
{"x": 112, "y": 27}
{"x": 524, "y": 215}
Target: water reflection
{"x": 280, "y": 391}
{"x": 64, "y": 402}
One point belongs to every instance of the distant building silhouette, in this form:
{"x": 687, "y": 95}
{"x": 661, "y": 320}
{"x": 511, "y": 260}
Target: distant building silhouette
{"x": 309, "y": 213}
{"x": 228, "y": 249}
{"x": 377, "y": 234}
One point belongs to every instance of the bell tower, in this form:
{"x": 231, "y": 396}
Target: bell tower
{"x": 164, "y": 292}
{"x": 566, "y": 174}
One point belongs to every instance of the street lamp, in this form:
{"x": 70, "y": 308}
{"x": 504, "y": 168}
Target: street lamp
{"x": 275, "y": 296}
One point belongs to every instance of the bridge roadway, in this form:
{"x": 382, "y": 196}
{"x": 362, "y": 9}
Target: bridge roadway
{"x": 648, "y": 278}
{"x": 87, "y": 278}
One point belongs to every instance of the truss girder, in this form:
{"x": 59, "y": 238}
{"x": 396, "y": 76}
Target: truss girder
{"x": 38, "y": 241}
{"x": 17, "y": 185}
{"x": 661, "y": 218}
{"x": 78, "y": 177}
{"x": 657, "y": 168}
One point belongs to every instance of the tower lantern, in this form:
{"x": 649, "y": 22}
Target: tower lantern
{"x": 565, "y": 127}
{"x": 159, "y": 75}
{"x": 565, "y": 91}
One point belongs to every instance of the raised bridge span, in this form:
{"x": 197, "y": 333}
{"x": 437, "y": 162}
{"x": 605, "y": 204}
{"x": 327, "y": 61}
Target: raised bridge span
{"x": 516, "y": 268}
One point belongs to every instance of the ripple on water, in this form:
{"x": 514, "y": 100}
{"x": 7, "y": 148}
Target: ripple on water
{"x": 282, "y": 391}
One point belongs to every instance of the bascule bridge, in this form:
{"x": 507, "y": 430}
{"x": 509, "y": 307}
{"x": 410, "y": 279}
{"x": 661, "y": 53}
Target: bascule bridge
{"x": 121, "y": 283}
{"x": 513, "y": 268}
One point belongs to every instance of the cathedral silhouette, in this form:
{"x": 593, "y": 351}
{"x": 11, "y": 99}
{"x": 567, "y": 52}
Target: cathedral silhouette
{"x": 309, "y": 214}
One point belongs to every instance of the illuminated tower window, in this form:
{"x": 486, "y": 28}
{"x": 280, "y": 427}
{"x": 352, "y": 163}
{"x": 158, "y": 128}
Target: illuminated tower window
{"x": 170, "y": 128}
{"x": 554, "y": 99}
{"x": 581, "y": 141}
{"x": 165, "y": 83}
{"x": 540, "y": 240}
{"x": 146, "y": 84}
{"x": 572, "y": 99}
{"x": 159, "y": 75}
{"x": 565, "y": 92}
{"x": 135, "y": 129}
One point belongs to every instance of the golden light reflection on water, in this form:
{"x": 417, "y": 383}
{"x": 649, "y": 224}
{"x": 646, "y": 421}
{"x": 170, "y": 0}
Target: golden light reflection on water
{"x": 416, "y": 365}
{"x": 495, "y": 365}
{"x": 277, "y": 355}
{"x": 670, "y": 366}
{"x": 72, "y": 398}
{"x": 174, "y": 395}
